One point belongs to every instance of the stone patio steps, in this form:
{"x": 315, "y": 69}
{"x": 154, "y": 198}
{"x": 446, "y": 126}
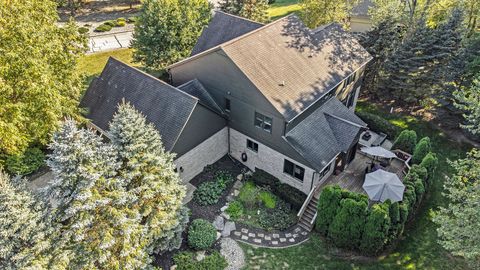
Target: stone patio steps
{"x": 306, "y": 220}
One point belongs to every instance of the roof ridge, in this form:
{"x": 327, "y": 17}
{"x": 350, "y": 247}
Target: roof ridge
{"x": 344, "y": 120}
{"x": 196, "y": 81}
{"x": 111, "y": 58}
{"x": 222, "y": 45}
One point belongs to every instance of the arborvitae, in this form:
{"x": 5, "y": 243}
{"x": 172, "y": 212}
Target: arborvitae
{"x": 24, "y": 230}
{"x": 150, "y": 178}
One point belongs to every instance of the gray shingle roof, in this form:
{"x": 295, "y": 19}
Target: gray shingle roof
{"x": 329, "y": 130}
{"x": 163, "y": 105}
{"x": 222, "y": 28}
{"x": 196, "y": 89}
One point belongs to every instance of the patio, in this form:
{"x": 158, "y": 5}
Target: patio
{"x": 353, "y": 176}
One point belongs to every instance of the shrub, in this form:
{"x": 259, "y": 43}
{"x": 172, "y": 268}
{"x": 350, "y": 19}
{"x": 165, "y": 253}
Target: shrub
{"x": 132, "y": 19}
{"x": 286, "y": 192}
{"x": 209, "y": 192}
{"x": 248, "y": 195}
{"x": 120, "y": 23}
{"x": 410, "y": 196}
{"x": 83, "y": 30}
{"x": 328, "y": 205}
{"x": 187, "y": 261}
{"x": 430, "y": 162}
{"x": 111, "y": 23}
{"x": 278, "y": 218}
{"x": 394, "y": 212}
{"x": 419, "y": 190}
{"x": 268, "y": 199}
{"x": 348, "y": 225}
{"x": 201, "y": 234}
{"x": 235, "y": 209}
{"x": 403, "y": 209}
{"x": 25, "y": 163}
{"x": 420, "y": 171}
{"x": 376, "y": 229}
{"x": 422, "y": 148}
{"x": 103, "y": 28}
{"x": 406, "y": 141}
{"x": 379, "y": 124}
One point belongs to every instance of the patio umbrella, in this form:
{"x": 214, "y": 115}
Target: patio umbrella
{"x": 381, "y": 185}
{"x": 378, "y": 151}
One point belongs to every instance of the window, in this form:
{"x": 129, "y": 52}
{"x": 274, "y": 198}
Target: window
{"x": 324, "y": 171}
{"x": 252, "y": 145}
{"x": 263, "y": 122}
{"x": 227, "y": 104}
{"x": 293, "y": 170}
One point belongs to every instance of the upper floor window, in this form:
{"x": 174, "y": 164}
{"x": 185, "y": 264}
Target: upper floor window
{"x": 227, "y": 104}
{"x": 294, "y": 170}
{"x": 324, "y": 171}
{"x": 252, "y": 145}
{"x": 263, "y": 122}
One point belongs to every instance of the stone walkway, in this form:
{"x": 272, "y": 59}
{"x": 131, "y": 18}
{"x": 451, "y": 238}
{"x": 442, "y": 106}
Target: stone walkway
{"x": 257, "y": 237}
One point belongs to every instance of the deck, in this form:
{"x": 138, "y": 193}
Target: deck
{"x": 353, "y": 176}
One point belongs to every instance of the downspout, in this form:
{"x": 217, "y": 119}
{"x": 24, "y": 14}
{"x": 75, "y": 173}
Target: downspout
{"x": 313, "y": 179}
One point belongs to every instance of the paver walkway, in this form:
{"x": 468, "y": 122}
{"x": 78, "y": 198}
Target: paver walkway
{"x": 258, "y": 237}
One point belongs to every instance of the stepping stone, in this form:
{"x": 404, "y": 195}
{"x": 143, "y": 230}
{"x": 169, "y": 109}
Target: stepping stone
{"x": 275, "y": 235}
{"x": 291, "y": 240}
{"x": 229, "y": 227}
{"x": 268, "y": 238}
{"x": 218, "y": 235}
{"x": 244, "y": 237}
{"x": 244, "y": 230}
{"x": 224, "y": 208}
{"x": 297, "y": 230}
{"x": 237, "y": 233}
{"x": 240, "y": 177}
{"x": 260, "y": 235}
{"x": 288, "y": 235}
{"x": 295, "y": 235}
{"x": 230, "y": 198}
{"x": 304, "y": 233}
{"x": 251, "y": 235}
{"x": 219, "y": 223}
{"x": 225, "y": 215}
{"x": 236, "y": 192}
{"x": 274, "y": 242}
{"x": 256, "y": 240}
{"x": 283, "y": 240}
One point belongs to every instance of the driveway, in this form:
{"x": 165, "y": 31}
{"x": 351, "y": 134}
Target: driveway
{"x": 109, "y": 41}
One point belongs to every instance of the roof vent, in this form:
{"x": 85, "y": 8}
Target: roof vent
{"x": 282, "y": 83}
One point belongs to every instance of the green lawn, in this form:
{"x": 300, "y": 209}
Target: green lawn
{"x": 417, "y": 250}
{"x": 92, "y": 64}
{"x": 282, "y": 8}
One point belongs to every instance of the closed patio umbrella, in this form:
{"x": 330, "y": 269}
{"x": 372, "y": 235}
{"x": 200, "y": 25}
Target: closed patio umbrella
{"x": 378, "y": 151}
{"x": 381, "y": 185}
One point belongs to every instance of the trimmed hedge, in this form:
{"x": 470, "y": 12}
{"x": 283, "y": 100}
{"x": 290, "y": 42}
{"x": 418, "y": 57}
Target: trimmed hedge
{"x": 26, "y": 163}
{"x": 328, "y": 205}
{"x": 377, "y": 226}
{"x": 289, "y": 194}
{"x": 406, "y": 141}
{"x": 187, "y": 261}
{"x": 430, "y": 162}
{"x": 379, "y": 124}
{"x": 103, "y": 28}
{"x": 201, "y": 234}
{"x": 422, "y": 148}
{"x": 349, "y": 222}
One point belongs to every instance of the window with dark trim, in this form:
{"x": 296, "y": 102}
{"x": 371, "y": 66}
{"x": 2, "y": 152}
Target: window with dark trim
{"x": 324, "y": 171}
{"x": 293, "y": 170}
{"x": 263, "y": 122}
{"x": 227, "y": 104}
{"x": 252, "y": 145}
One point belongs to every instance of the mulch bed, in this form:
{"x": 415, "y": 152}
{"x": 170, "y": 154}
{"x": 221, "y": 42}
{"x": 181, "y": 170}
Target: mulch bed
{"x": 209, "y": 212}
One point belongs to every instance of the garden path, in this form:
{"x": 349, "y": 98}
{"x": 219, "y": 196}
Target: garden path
{"x": 276, "y": 239}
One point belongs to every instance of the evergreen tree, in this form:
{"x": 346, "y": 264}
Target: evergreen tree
{"x": 377, "y": 226}
{"x": 39, "y": 81}
{"x": 167, "y": 30}
{"x": 24, "y": 229}
{"x": 468, "y": 101}
{"x": 255, "y": 10}
{"x": 459, "y": 222}
{"x": 150, "y": 178}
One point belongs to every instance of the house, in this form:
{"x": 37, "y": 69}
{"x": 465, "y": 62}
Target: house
{"x": 278, "y": 97}
{"x": 360, "y": 20}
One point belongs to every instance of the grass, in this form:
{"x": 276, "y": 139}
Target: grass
{"x": 92, "y": 64}
{"x": 282, "y": 8}
{"x": 418, "y": 248}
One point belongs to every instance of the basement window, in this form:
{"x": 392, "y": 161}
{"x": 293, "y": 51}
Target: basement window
{"x": 293, "y": 170}
{"x": 252, "y": 145}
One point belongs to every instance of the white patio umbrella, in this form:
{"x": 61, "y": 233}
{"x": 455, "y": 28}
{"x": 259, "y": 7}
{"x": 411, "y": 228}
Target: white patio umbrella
{"x": 381, "y": 185}
{"x": 378, "y": 151}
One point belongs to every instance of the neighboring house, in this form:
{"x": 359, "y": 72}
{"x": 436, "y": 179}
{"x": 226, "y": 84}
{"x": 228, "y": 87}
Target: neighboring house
{"x": 278, "y": 97}
{"x": 360, "y": 20}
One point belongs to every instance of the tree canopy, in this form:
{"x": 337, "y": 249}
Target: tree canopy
{"x": 255, "y": 10}
{"x": 318, "y": 12}
{"x": 39, "y": 82}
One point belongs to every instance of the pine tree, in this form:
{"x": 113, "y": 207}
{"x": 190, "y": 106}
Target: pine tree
{"x": 24, "y": 229}
{"x": 150, "y": 178}
{"x": 468, "y": 100}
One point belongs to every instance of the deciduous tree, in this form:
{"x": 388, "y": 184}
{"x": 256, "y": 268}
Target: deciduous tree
{"x": 255, "y": 10}
{"x": 318, "y": 12}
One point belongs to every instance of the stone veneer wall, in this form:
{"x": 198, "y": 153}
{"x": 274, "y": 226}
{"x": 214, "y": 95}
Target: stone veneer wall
{"x": 206, "y": 153}
{"x": 268, "y": 160}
